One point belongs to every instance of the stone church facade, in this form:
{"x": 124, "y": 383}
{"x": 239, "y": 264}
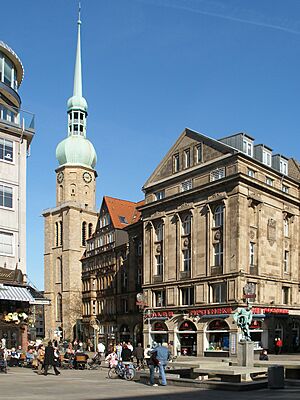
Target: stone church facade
{"x": 220, "y": 214}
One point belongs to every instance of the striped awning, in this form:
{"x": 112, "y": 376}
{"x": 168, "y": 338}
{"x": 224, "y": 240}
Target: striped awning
{"x": 15, "y": 293}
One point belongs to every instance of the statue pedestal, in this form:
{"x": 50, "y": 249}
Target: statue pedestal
{"x": 245, "y": 354}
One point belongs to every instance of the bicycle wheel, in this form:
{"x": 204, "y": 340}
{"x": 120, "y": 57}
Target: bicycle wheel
{"x": 112, "y": 373}
{"x": 129, "y": 374}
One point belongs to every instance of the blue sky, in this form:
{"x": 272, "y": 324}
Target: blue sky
{"x": 150, "y": 69}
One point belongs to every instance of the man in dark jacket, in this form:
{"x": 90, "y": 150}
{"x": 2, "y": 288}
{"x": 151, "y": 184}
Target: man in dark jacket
{"x": 138, "y": 353}
{"x": 126, "y": 354}
{"x": 50, "y": 359}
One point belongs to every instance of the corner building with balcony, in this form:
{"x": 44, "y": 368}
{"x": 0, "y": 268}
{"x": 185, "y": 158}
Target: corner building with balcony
{"x": 72, "y": 220}
{"x": 16, "y": 134}
{"x": 219, "y": 214}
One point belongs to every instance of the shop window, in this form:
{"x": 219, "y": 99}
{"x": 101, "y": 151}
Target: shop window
{"x": 217, "y": 336}
{"x": 159, "y": 298}
{"x": 187, "y": 296}
{"x": 218, "y": 216}
{"x": 218, "y": 292}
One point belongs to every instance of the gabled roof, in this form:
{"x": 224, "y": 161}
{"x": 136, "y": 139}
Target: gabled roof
{"x": 122, "y": 212}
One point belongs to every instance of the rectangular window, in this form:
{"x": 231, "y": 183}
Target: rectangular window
{"x": 286, "y": 227}
{"x": 283, "y": 167}
{"x": 267, "y": 158}
{"x": 186, "y": 260}
{"x": 217, "y": 174}
{"x": 6, "y": 150}
{"x": 187, "y": 158}
{"x": 218, "y": 254}
{"x": 187, "y": 296}
{"x": 159, "y": 264}
{"x": 6, "y": 196}
{"x": 199, "y": 156}
{"x": 285, "y": 295}
{"x": 186, "y": 185}
{"x": 252, "y": 254}
{"x": 285, "y": 189}
{"x": 286, "y": 261}
{"x": 159, "y": 195}
{"x": 218, "y": 292}
{"x": 269, "y": 181}
{"x": 159, "y": 298}
{"x": 176, "y": 165}
{"x": 6, "y": 243}
{"x": 251, "y": 173}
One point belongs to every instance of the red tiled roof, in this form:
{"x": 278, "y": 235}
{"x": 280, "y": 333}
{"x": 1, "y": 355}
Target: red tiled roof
{"x": 122, "y": 210}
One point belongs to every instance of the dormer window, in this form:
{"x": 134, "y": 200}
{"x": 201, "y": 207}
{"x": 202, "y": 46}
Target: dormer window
{"x": 199, "y": 157}
{"x": 283, "y": 167}
{"x": 123, "y": 220}
{"x": 267, "y": 157}
{"x": 176, "y": 163}
{"x": 159, "y": 195}
{"x": 247, "y": 147}
{"x": 187, "y": 158}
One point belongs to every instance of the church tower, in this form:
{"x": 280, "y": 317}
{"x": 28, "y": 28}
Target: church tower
{"x": 71, "y": 222}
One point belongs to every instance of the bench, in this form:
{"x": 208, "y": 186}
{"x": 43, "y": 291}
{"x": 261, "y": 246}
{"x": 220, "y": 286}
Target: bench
{"x": 291, "y": 368}
{"x": 232, "y": 374}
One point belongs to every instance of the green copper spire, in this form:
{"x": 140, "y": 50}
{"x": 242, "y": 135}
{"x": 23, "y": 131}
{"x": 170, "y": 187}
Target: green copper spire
{"x": 76, "y": 149}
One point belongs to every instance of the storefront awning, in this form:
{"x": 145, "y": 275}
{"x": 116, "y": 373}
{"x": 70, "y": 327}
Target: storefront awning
{"x": 15, "y": 293}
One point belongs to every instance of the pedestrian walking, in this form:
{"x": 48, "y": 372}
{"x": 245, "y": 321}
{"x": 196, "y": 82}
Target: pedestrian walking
{"x": 278, "y": 345}
{"x": 159, "y": 357}
{"x": 50, "y": 359}
{"x": 138, "y": 353}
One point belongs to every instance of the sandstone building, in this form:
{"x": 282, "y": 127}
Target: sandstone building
{"x": 112, "y": 274}
{"x": 219, "y": 214}
{"x": 72, "y": 221}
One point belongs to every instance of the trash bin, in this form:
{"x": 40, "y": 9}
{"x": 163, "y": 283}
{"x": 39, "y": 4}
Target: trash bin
{"x": 276, "y": 377}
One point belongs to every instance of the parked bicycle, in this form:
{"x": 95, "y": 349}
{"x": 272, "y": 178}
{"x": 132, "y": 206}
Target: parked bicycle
{"x": 95, "y": 362}
{"x": 122, "y": 370}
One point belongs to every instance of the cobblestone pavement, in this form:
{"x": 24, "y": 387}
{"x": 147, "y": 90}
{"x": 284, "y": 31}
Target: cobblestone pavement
{"x": 24, "y": 384}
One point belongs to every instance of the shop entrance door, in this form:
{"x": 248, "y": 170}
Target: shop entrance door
{"x": 188, "y": 343}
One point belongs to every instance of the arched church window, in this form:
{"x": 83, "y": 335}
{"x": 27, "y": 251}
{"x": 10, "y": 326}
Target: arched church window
{"x": 59, "y": 307}
{"x": 90, "y": 229}
{"x": 56, "y": 234}
{"x": 83, "y": 234}
{"x": 58, "y": 270}
{"x": 60, "y": 233}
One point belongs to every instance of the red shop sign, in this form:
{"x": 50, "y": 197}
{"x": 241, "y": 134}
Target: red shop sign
{"x": 212, "y": 311}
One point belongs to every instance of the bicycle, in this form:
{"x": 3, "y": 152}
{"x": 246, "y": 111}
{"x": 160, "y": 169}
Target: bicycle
{"x": 121, "y": 370}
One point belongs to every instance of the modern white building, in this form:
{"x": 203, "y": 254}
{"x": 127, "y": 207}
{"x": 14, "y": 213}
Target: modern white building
{"x": 16, "y": 133}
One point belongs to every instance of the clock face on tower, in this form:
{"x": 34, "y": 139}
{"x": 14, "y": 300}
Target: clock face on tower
{"x": 87, "y": 177}
{"x": 60, "y": 177}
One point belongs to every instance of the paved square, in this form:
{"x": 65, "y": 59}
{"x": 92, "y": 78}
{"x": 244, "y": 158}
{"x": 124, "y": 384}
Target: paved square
{"x": 24, "y": 384}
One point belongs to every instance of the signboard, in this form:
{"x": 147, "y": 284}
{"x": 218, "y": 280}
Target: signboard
{"x": 233, "y": 343}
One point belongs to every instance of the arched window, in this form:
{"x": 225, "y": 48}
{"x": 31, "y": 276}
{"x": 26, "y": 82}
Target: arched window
{"x": 56, "y": 234}
{"x": 218, "y": 216}
{"x": 187, "y": 326}
{"x": 83, "y": 234}
{"x": 159, "y": 232}
{"x": 186, "y": 225}
{"x": 90, "y": 229}
{"x": 60, "y": 233}
{"x": 60, "y": 193}
{"x": 73, "y": 189}
{"x": 58, "y": 270}
{"x": 59, "y": 307}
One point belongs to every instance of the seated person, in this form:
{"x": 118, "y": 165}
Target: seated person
{"x": 29, "y": 356}
{"x": 77, "y": 363}
{"x": 263, "y": 355}
{"x": 14, "y": 358}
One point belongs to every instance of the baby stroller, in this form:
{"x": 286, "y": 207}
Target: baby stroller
{"x": 3, "y": 362}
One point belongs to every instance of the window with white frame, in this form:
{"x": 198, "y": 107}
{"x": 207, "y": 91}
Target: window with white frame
{"x": 283, "y": 167}
{"x": 218, "y": 217}
{"x": 218, "y": 254}
{"x": 269, "y": 181}
{"x": 286, "y": 227}
{"x": 159, "y": 264}
{"x": 186, "y": 253}
{"x": 267, "y": 158}
{"x": 159, "y": 195}
{"x": 187, "y": 158}
{"x": 6, "y": 196}
{"x": 159, "y": 298}
{"x": 6, "y": 150}
{"x": 218, "y": 292}
{"x": 217, "y": 174}
{"x": 176, "y": 164}
{"x": 6, "y": 243}
{"x": 199, "y": 156}
{"x": 186, "y": 185}
{"x": 247, "y": 147}
{"x": 186, "y": 225}
{"x": 252, "y": 253}
{"x": 286, "y": 261}
{"x": 251, "y": 173}
{"x": 285, "y": 189}
{"x": 187, "y": 296}
{"x": 159, "y": 232}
